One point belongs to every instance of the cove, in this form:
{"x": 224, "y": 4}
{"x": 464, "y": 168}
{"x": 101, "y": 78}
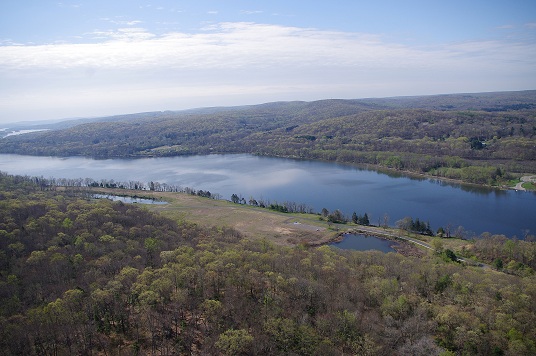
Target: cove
{"x": 316, "y": 184}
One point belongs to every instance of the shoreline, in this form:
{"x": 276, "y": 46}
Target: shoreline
{"x": 367, "y": 166}
{"x": 386, "y": 170}
{"x": 523, "y": 180}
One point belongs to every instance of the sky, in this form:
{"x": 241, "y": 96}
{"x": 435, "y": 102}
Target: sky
{"x": 69, "y": 59}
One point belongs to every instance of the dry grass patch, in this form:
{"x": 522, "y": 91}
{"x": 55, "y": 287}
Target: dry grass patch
{"x": 252, "y": 222}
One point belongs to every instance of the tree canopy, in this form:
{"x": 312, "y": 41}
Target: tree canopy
{"x": 82, "y": 276}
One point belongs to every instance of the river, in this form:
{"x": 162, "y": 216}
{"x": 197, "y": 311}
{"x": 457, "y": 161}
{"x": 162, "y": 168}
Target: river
{"x": 316, "y": 184}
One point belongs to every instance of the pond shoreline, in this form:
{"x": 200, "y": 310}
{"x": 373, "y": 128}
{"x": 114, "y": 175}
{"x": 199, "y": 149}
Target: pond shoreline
{"x": 403, "y": 247}
{"x": 407, "y": 173}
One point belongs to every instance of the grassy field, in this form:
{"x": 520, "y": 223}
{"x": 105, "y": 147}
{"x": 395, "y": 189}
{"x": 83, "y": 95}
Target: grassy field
{"x": 252, "y": 222}
{"x": 259, "y": 223}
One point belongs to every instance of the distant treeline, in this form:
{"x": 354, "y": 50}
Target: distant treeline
{"x": 475, "y": 138}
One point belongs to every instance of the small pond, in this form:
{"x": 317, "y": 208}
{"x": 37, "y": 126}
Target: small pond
{"x": 127, "y": 199}
{"x": 364, "y": 243}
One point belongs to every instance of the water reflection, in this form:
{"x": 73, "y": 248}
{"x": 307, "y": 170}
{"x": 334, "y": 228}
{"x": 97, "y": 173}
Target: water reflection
{"x": 364, "y": 243}
{"x": 129, "y": 200}
{"x": 314, "y": 184}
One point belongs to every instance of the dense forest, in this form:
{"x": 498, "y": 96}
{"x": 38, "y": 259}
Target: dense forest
{"x": 86, "y": 276}
{"x": 479, "y": 138}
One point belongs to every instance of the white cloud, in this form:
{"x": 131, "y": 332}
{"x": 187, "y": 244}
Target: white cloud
{"x": 251, "y": 12}
{"x": 74, "y": 6}
{"x": 239, "y": 45}
{"x": 131, "y": 69}
{"x": 127, "y": 34}
{"x": 127, "y": 23}
{"x": 120, "y": 22}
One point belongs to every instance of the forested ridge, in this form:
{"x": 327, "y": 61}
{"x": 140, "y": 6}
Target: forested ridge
{"x": 84, "y": 276}
{"x": 480, "y": 138}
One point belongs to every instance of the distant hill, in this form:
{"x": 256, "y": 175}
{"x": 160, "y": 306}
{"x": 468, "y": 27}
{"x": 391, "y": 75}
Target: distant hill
{"x": 479, "y": 138}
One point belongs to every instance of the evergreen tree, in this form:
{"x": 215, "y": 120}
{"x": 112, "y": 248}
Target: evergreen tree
{"x": 366, "y": 220}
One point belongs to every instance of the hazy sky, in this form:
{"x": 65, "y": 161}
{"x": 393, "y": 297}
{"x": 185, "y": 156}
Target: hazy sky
{"x": 61, "y": 59}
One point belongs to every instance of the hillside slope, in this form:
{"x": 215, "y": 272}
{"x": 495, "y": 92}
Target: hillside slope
{"x": 445, "y": 135}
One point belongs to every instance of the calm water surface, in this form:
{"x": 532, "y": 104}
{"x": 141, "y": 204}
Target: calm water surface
{"x": 317, "y": 184}
{"x": 129, "y": 200}
{"x": 364, "y": 243}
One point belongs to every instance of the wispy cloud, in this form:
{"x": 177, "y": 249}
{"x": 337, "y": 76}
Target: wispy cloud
{"x": 251, "y": 12}
{"x": 237, "y": 45}
{"x": 128, "y": 34}
{"x": 10, "y": 42}
{"x": 119, "y": 21}
{"x": 231, "y": 63}
{"x": 126, "y": 23}
{"x": 74, "y": 6}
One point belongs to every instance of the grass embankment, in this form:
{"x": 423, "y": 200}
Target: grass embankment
{"x": 529, "y": 186}
{"x": 524, "y": 183}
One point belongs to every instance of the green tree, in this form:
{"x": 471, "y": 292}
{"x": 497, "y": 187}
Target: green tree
{"x": 337, "y": 217}
{"x": 234, "y": 342}
{"x": 365, "y": 220}
{"x": 437, "y": 244}
{"x": 151, "y": 246}
{"x": 67, "y": 223}
{"x": 450, "y": 255}
{"x": 235, "y": 199}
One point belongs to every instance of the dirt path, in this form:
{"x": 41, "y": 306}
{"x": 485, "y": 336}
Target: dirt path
{"x": 524, "y": 179}
{"x": 378, "y": 232}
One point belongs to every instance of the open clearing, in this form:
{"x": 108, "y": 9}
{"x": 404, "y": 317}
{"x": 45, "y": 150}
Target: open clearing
{"x": 260, "y": 223}
{"x": 525, "y": 180}
{"x": 250, "y": 221}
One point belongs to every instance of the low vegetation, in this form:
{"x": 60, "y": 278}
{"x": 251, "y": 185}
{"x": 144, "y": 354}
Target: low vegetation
{"x": 81, "y": 276}
{"x": 529, "y": 186}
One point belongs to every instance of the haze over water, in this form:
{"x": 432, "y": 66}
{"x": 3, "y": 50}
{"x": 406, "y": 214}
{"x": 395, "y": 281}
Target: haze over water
{"x": 316, "y": 184}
